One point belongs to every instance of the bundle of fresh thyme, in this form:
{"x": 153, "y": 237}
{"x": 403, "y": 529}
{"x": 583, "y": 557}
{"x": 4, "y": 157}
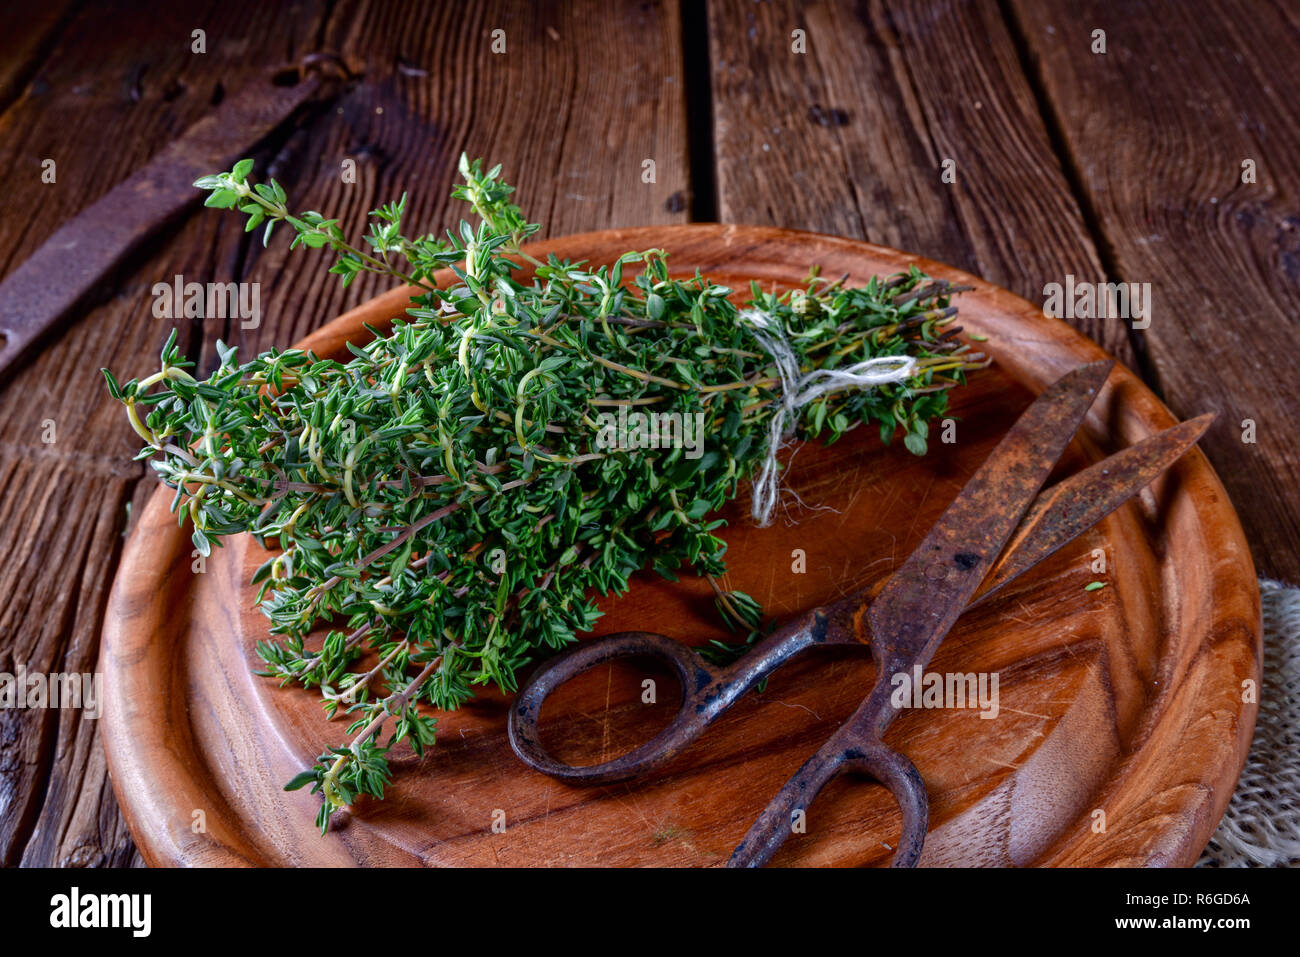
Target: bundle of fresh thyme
{"x": 439, "y": 504}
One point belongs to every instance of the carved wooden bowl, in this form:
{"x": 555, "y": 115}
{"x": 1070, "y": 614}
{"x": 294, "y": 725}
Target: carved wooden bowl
{"x": 1122, "y": 724}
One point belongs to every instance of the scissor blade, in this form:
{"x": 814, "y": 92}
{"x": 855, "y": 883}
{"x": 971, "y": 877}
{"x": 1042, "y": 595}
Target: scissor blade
{"x": 932, "y": 587}
{"x": 1074, "y": 505}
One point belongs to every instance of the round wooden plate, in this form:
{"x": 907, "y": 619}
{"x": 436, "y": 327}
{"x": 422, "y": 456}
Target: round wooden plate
{"x": 1123, "y": 718}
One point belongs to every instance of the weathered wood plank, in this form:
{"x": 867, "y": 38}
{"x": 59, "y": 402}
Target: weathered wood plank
{"x": 1159, "y": 128}
{"x": 26, "y": 33}
{"x": 581, "y": 97}
{"x": 60, "y": 531}
{"x": 65, "y": 470}
{"x": 146, "y": 92}
{"x": 852, "y": 136}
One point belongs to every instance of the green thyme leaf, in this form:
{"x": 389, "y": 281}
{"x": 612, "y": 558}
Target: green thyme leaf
{"x": 445, "y": 504}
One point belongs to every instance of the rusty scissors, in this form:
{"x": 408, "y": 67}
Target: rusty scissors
{"x": 999, "y": 525}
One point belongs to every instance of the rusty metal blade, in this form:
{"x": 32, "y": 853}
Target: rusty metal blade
{"x": 1077, "y": 503}
{"x": 929, "y": 591}
{"x": 45, "y": 288}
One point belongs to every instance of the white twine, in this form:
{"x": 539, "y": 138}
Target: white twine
{"x": 799, "y": 390}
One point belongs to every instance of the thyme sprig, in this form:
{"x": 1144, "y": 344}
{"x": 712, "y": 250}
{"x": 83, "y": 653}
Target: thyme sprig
{"x": 440, "y": 508}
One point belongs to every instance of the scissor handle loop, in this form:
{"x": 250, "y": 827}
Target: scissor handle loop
{"x": 697, "y": 708}
{"x": 848, "y": 749}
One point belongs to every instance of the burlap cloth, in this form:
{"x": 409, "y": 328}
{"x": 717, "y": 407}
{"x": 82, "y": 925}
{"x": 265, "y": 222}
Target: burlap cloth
{"x": 1262, "y": 825}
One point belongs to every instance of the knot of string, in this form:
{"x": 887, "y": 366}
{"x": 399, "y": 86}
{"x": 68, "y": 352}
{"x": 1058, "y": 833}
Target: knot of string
{"x": 798, "y": 390}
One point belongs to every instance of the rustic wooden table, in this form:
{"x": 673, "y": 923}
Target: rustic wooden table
{"x": 1169, "y": 159}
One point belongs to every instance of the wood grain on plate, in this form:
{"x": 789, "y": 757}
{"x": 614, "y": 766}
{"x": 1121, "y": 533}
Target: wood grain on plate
{"x": 1126, "y": 700}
